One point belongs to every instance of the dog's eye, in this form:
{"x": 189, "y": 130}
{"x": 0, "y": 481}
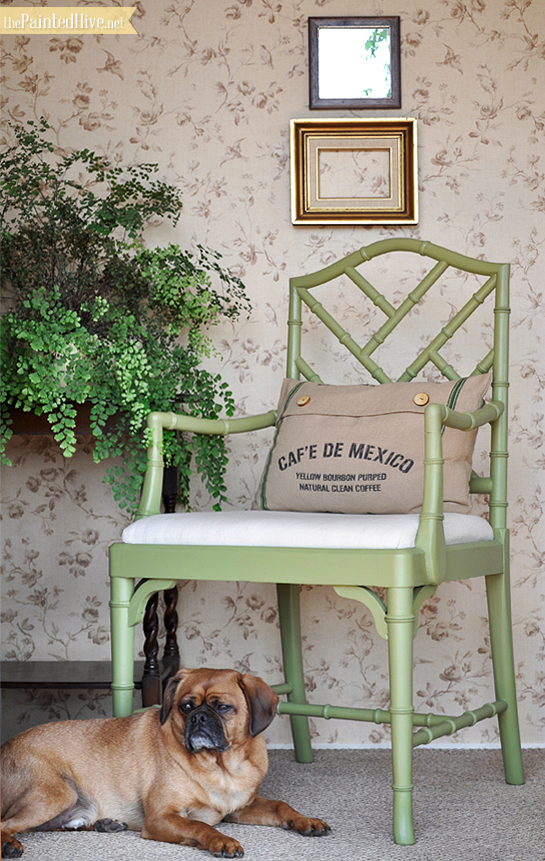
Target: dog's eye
{"x": 224, "y": 707}
{"x": 185, "y": 707}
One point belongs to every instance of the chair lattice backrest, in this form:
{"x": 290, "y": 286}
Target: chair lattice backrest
{"x": 496, "y": 282}
{"x": 497, "y": 278}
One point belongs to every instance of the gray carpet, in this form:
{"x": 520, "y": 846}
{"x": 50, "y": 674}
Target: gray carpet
{"x": 464, "y": 811}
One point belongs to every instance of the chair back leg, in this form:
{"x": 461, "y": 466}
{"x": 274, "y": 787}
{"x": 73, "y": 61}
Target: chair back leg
{"x": 289, "y": 614}
{"x": 501, "y": 645}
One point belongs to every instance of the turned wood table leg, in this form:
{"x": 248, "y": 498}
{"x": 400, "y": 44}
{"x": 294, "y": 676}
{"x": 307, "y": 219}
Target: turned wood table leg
{"x": 151, "y": 679}
{"x": 171, "y": 653}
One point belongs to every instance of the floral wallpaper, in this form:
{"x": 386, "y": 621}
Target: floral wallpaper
{"x": 207, "y": 90}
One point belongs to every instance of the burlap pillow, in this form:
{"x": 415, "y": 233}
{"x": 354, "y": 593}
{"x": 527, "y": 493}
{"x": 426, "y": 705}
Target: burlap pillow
{"x": 360, "y": 449}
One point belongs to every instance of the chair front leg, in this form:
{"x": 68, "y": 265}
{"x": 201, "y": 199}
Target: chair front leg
{"x": 400, "y": 621}
{"x": 122, "y": 645}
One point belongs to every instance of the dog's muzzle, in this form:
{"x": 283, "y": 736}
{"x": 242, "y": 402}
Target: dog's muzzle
{"x": 204, "y": 731}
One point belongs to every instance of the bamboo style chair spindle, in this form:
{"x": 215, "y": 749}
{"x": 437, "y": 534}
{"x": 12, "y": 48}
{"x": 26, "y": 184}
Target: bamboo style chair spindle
{"x": 341, "y": 550}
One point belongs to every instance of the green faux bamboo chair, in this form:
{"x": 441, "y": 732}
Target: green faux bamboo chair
{"x": 290, "y": 549}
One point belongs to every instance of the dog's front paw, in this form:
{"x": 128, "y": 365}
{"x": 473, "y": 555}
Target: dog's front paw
{"x": 13, "y": 849}
{"x": 306, "y": 826}
{"x": 110, "y": 826}
{"x": 225, "y": 847}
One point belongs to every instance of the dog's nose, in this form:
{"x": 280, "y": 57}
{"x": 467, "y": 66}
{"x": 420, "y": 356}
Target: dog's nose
{"x": 199, "y": 717}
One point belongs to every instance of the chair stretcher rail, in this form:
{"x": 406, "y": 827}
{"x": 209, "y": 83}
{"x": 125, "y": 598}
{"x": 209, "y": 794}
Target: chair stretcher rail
{"x": 432, "y": 726}
{"x": 447, "y": 726}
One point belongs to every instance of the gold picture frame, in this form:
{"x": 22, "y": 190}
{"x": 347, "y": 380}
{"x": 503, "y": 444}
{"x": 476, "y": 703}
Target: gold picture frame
{"x": 353, "y": 171}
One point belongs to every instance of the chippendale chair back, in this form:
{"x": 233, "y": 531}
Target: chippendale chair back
{"x": 387, "y": 525}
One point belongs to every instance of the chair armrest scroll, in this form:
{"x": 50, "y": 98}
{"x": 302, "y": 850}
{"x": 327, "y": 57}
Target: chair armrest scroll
{"x": 150, "y": 501}
{"x": 468, "y": 421}
{"x": 430, "y": 536}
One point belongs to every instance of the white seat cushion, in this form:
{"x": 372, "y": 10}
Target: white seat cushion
{"x": 298, "y": 529}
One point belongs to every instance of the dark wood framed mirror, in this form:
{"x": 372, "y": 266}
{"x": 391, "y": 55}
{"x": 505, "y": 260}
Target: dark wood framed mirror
{"x": 354, "y": 63}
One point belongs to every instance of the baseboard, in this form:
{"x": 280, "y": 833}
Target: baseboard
{"x": 433, "y": 746}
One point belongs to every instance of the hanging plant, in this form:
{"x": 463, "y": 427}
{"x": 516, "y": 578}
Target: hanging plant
{"x": 95, "y": 316}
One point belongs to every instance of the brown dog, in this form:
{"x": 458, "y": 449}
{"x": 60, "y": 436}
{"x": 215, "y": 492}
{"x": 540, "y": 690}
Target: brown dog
{"x": 172, "y": 774}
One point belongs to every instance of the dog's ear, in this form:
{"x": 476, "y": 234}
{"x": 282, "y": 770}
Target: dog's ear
{"x": 262, "y": 702}
{"x": 168, "y": 698}
{"x": 169, "y": 692}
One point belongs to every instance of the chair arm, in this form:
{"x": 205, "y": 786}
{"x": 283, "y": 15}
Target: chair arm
{"x": 150, "y": 502}
{"x": 468, "y": 421}
{"x": 219, "y": 427}
{"x": 430, "y": 536}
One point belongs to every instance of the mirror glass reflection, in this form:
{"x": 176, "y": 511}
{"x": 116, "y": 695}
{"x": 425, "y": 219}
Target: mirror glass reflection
{"x": 354, "y": 63}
